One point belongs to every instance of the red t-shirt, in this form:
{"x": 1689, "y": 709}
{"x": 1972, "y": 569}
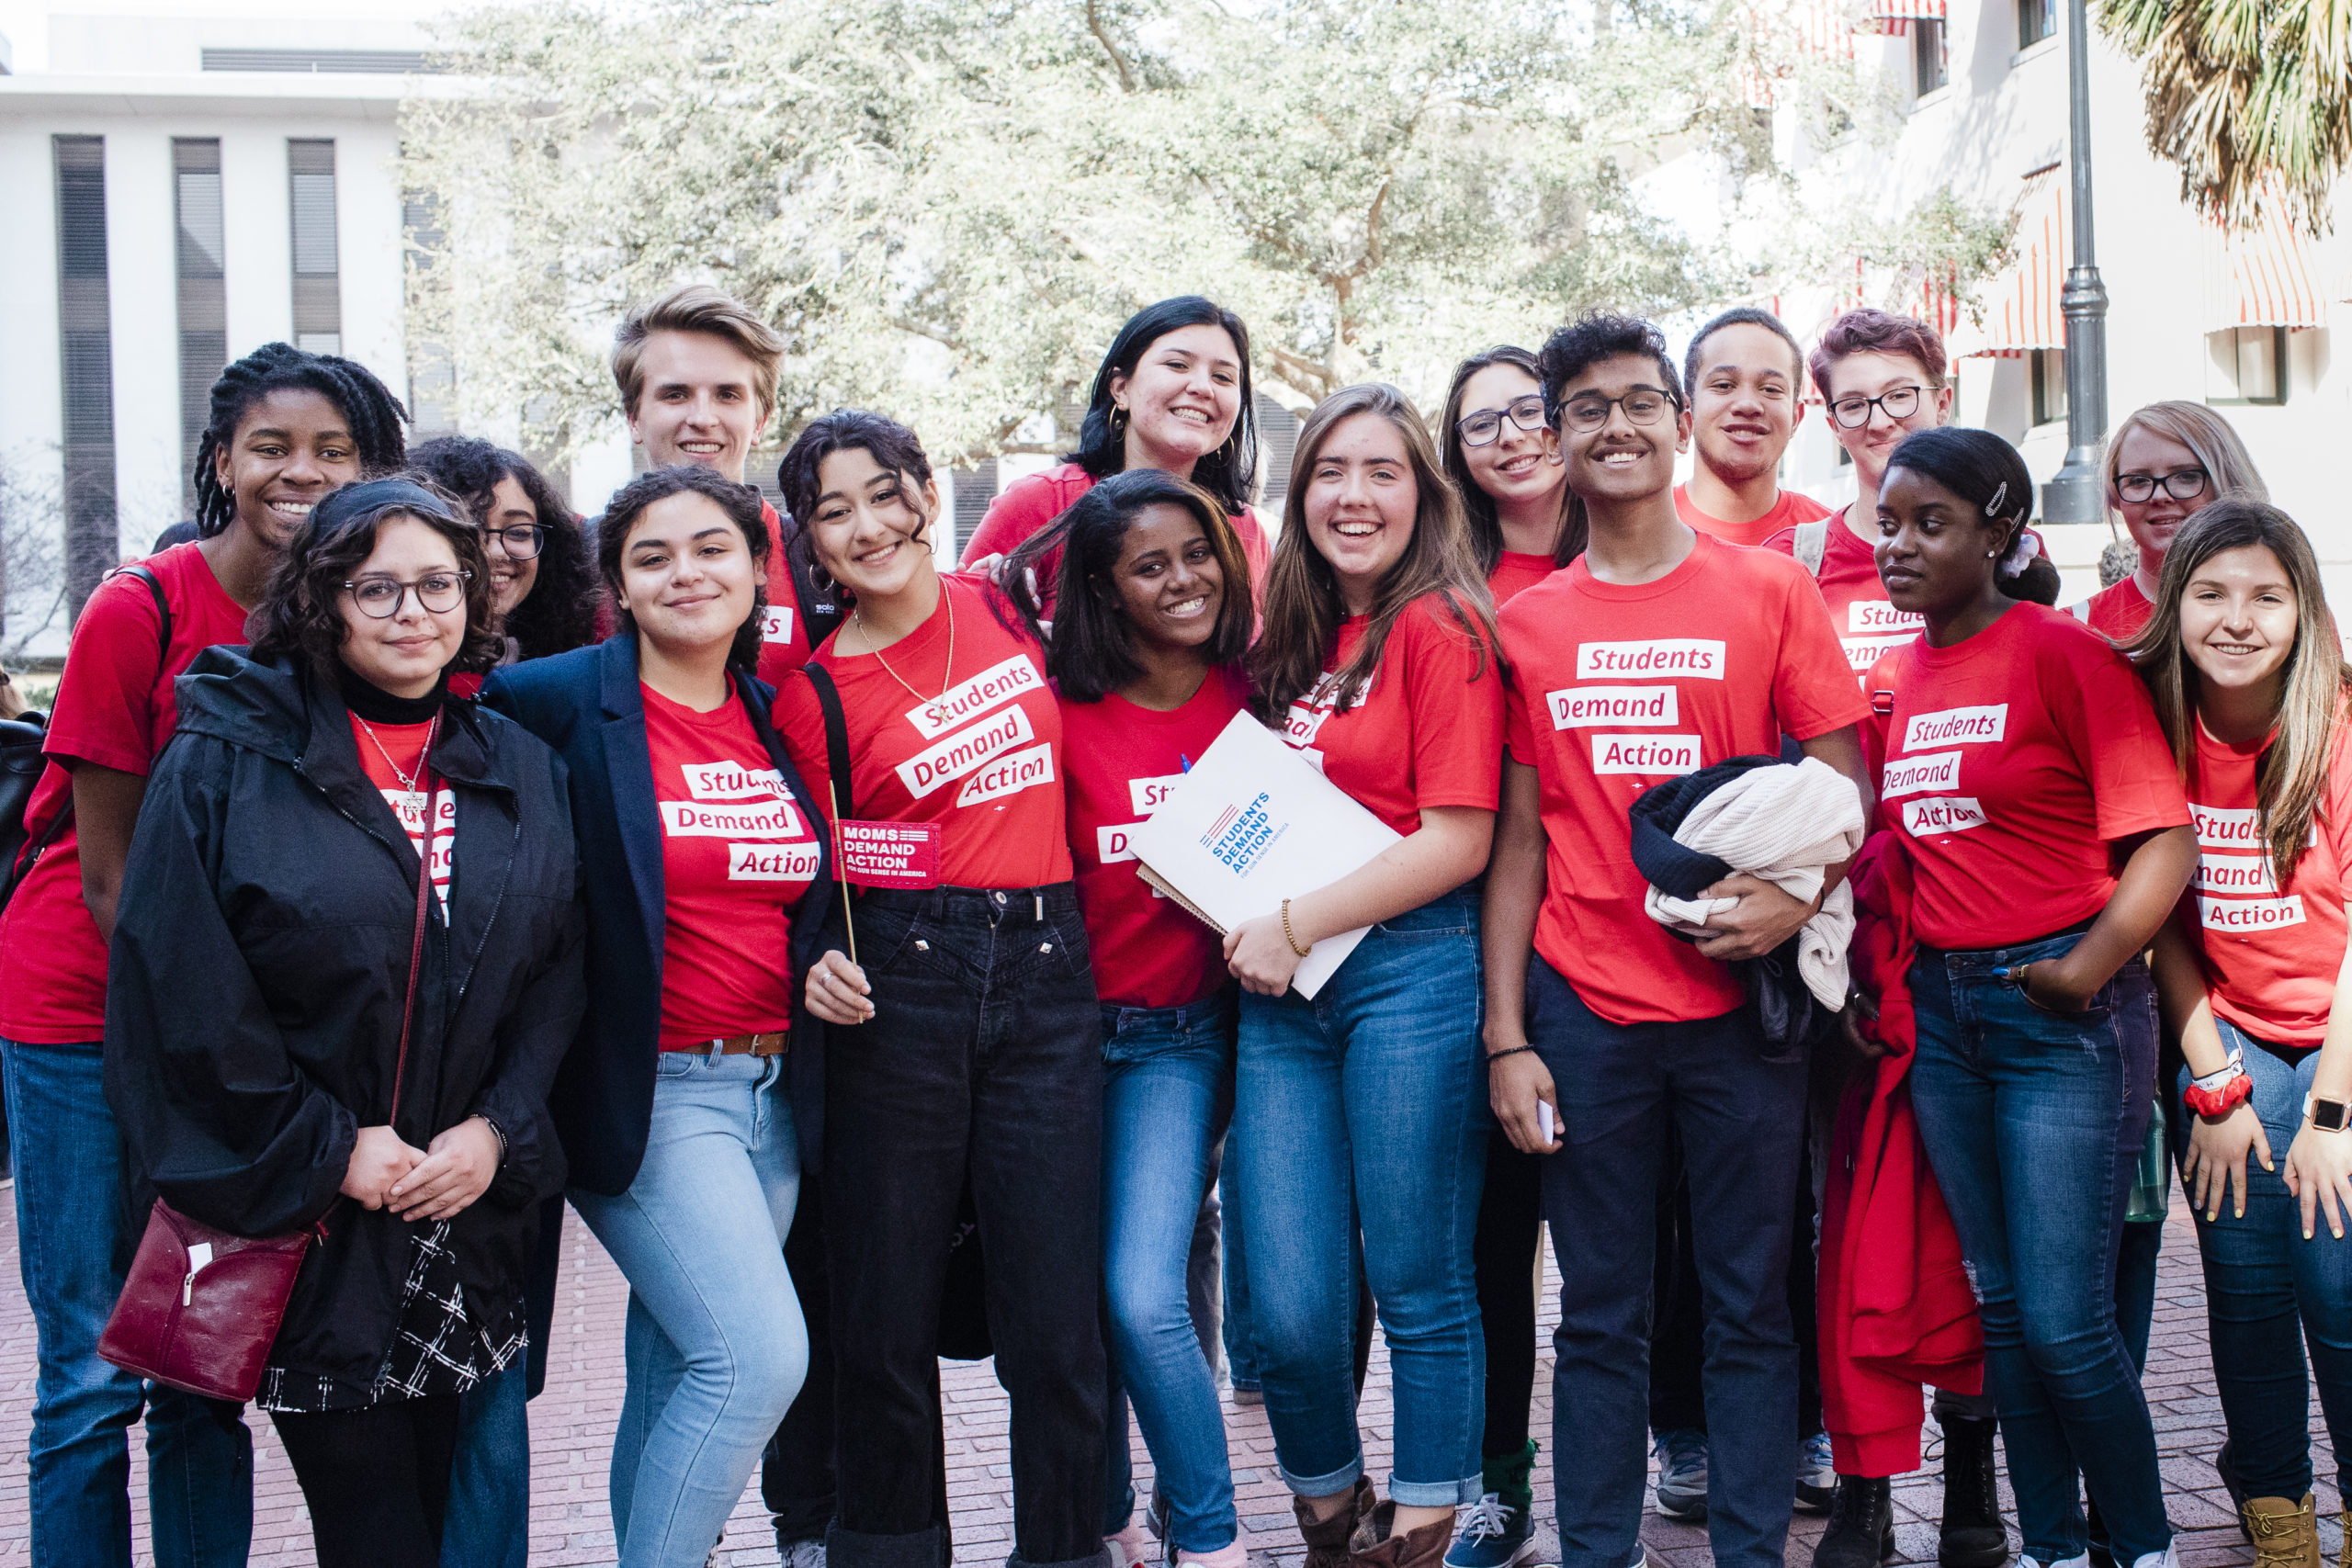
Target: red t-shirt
{"x": 2117, "y": 614}
{"x": 1148, "y": 953}
{"x": 1514, "y": 573}
{"x": 981, "y": 758}
{"x": 1636, "y": 685}
{"x": 2011, "y": 761}
{"x": 1787, "y": 512}
{"x": 1023, "y": 508}
{"x": 2272, "y": 957}
{"x": 1867, "y": 623}
{"x": 737, "y": 855}
{"x": 387, "y": 752}
{"x": 1426, "y": 729}
{"x": 115, "y": 707}
{"x": 784, "y": 633}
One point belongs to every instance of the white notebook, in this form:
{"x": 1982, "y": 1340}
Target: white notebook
{"x": 1254, "y": 823}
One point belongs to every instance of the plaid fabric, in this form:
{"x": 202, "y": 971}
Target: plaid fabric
{"x": 437, "y": 1346}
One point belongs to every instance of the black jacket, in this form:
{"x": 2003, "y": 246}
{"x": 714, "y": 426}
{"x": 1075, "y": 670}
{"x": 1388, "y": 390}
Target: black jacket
{"x": 260, "y": 961}
{"x": 587, "y": 704}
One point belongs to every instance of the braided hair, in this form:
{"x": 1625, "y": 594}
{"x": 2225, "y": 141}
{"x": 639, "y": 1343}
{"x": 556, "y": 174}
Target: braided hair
{"x": 366, "y": 405}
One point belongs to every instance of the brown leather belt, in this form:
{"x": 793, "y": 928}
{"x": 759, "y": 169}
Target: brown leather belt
{"x": 774, "y": 1045}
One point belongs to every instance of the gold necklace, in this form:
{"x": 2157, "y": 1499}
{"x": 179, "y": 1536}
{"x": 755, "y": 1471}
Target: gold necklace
{"x": 408, "y": 780}
{"x": 948, "y": 684}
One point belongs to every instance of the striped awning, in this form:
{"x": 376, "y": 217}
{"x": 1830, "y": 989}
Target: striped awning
{"x": 1907, "y": 10}
{"x": 2021, "y": 303}
{"x": 2261, "y": 276}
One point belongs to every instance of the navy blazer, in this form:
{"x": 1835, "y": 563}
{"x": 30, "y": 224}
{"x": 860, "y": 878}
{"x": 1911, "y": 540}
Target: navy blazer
{"x": 587, "y": 706}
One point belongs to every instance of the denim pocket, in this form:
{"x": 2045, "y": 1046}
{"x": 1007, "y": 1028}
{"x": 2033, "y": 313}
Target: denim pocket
{"x": 2102, "y": 1000}
{"x": 890, "y": 937}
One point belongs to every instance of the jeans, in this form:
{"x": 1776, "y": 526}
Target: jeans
{"x": 983, "y": 1062}
{"x": 2268, "y": 1293}
{"x": 1366, "y": 1107}
{"x": 1167, "y": 1096}
{"x": 1511, "y": 1229}
{"x": 1627, "y": 1086}
{"x": 796, "y": 1471}
{"x": 488, "y": 1523}
{"x": 2032, "y": 1121}
{"x": 714, "y": 1348}
{"x": 73, "y": 1243}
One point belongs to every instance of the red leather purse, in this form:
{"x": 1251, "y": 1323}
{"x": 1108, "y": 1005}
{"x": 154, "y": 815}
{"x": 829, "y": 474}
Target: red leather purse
{"x": 201, "y": 1307}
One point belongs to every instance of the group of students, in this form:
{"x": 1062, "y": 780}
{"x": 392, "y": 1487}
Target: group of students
{"x": 783, "y": 920}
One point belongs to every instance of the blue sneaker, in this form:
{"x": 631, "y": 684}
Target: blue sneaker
{"x": 1495, "y": 1534}
{"x": 1816, "y": 1474}
{"x": 1682, "y": 1475}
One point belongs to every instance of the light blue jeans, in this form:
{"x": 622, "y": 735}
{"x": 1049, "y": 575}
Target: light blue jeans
{"x": 1367, "y": 1108}
{"x": 68, "y": 1158}
{"x": 715, "y": 1346}
{"x": 1167, "y": 1095}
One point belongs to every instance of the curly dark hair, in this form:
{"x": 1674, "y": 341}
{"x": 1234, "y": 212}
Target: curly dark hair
{"x": 1597, "y": 335}
{"x": 889, "y": 444}
{"x": 559, "y": 612}
{"x": 374, "y": 414}
{"x": 301, "y": 612}
{"x": 741, "y": 504}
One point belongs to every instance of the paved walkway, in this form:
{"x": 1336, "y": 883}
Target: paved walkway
{"x": 571, "y": 1426}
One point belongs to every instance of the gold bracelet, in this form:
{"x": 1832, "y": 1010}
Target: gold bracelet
{"x": 1288, "y": 936}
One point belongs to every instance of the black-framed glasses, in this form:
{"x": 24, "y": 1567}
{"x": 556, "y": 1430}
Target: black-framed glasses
{"x": 2181, "y": 484}
{"x": 1477, "y": 429}
{"x": 521, "y": 539}
{"x": 1587, "y": 412}
{"x": 1900, "y": 403}
{"x": 437, "y": 592}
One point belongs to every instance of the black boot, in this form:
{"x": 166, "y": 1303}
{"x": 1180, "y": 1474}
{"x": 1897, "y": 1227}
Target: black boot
{"x": 1861, "y": 1524}
{"x": 1973, "y": 1537}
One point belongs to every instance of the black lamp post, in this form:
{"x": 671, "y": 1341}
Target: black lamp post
{"x": 2077, "y": 493}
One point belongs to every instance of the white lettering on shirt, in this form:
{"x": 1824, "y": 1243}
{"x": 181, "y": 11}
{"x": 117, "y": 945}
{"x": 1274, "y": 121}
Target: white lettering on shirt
{"x": 775, "y": 625}
{"x": 1700, "y": 658}
{"x": 2219, "y": 828}
{"x": 1909, "y": 776}
{"x": 731, "y": 781}
{"x": 1947, "y": 727}
{"x": 409, "y": 806}
{"x": 2235, "y": 873}
{"x": 1663, "y": 754}
{"x": 1863, "y": 652}
{"x": 1876, "y": 617}
{"x": 992, "y": 688}
{"x": 1148, "y": 796}
{"x": 1009, "y": 776}
{"x": 771, "y": 863}
{"x": 1579, "y": 707}
{"x": 2250, "y": 914}
{"x": 762, "y": 819}
{"x": 1111, "y": 841}
{"x": 1305, "y": 720}
{"x": 1942, "y": 814}
{"x": 964, "y": 750}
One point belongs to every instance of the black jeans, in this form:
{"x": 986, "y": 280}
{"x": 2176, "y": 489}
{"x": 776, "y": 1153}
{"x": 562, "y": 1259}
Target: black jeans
{"x": 377, "y": 1480}
{"x": 984, "y": 1057}
{"x": 1511, "y": 1224}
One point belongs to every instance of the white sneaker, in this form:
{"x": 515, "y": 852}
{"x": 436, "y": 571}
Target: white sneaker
{"x": 2156, "y": 1558}
{"x": 2081, "y": 1559}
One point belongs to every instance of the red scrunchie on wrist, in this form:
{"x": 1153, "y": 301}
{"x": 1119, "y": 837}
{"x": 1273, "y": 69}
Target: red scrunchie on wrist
{"x": 2215, "y": 1103}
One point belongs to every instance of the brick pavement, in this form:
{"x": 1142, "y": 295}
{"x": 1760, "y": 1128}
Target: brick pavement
{"x": 571, "y": 1433}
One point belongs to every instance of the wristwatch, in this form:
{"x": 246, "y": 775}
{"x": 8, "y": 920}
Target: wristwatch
{"x": 2327, "y": 1116}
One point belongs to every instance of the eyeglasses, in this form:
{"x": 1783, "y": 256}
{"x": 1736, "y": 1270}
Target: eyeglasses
{"x": 2181, "y": 484}
{"x": 1587, "y": 412}
{"x": 1900, "y": 403}
{"x": 1477, "y": 429}
{"x": 521, "y": 539}
{"x": 437, "y": 593}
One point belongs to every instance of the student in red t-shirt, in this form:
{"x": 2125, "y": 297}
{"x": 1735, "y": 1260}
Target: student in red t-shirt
{"x": 1361, "y": 1107}
{"x": 1155, "y": 614}
{"x": 967, "y": 1046}
{"x": 2248, "y": 675}
{"x": 1745, "y": 376}
{"x": 285, "y": 427}
{"x": 2032, "y": 789}
{"x": 1524, "y": 525}
{"x": 1660, "y": 651}
{"x": 1172, "y": 393}
{"x": 2163, "y": 462}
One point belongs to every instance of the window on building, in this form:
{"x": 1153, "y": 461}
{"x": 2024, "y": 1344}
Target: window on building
{"x": 86, "y": 352}
{"x": 2037, "y": 19}
{"x": 2246, "y": 365}
{"x": 2046, "y": 370}
{"x": 204, "y": 300}
{"x": 1930, "y": 60}
{"x": 318, "y": 284}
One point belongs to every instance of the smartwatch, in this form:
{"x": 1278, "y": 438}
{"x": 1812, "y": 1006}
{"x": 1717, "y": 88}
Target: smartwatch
{"x": 2327, "y": 1116}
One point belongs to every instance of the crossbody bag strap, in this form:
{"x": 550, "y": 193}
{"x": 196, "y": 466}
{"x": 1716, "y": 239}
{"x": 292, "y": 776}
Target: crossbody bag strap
{"x": 416, "y": 942}
{"x": 829, "y": 699}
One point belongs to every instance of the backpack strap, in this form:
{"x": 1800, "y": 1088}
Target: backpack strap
{"x": 155, "y": 592}
{"x": 1812, "y": 543}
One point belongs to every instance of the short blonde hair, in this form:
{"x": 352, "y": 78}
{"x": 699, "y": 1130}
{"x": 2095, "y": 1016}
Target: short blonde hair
{"x": 696, "y": 308}
{"x": 2228, "y": 467}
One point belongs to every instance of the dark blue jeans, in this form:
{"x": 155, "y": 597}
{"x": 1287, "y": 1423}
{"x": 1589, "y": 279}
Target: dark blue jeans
{"x": 1367, "y": 1107}
{"x": 1167, "y": 1096}
{"x": 488, "y": 1524}
{"x": 1623, "y": 1088}
{"x": 70, "y": 1233}
{"x": 2268, "y": 1293}
{"x": 2032, "y": 1121}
